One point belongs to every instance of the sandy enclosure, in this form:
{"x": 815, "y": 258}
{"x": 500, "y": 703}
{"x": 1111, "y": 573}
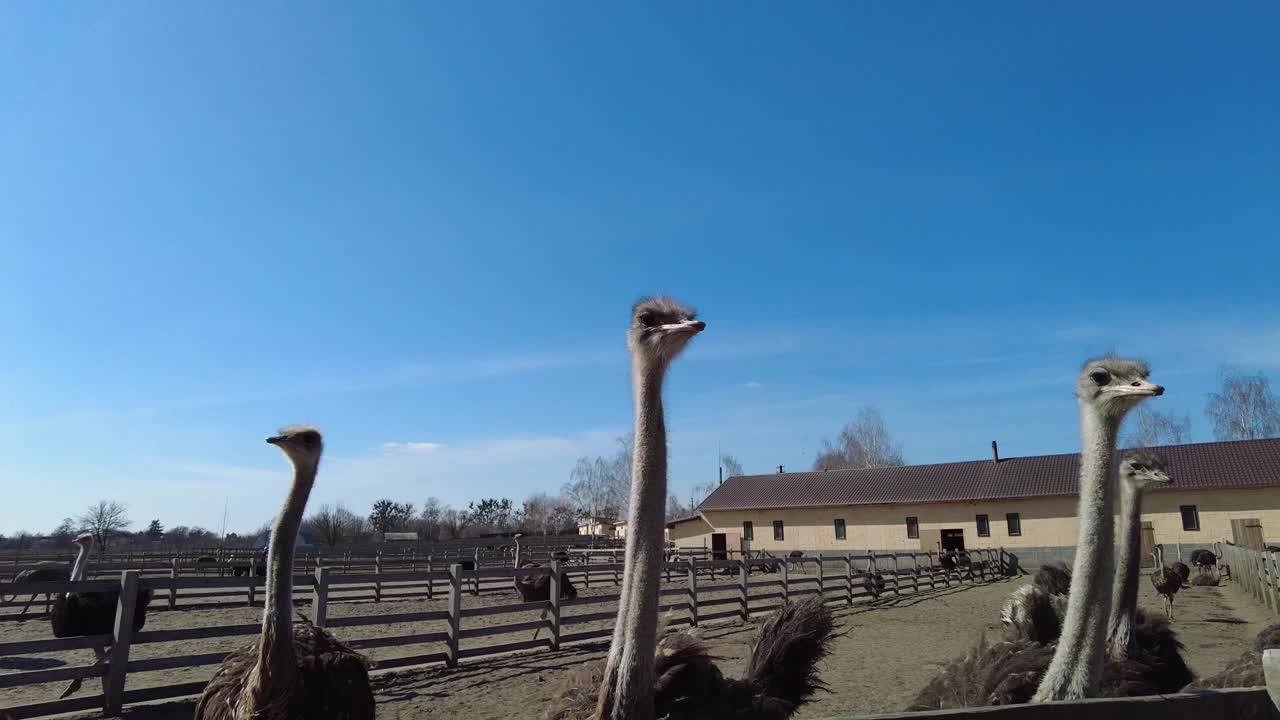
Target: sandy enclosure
{"x": 888, "y": 650}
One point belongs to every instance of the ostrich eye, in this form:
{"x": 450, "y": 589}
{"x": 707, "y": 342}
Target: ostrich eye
{"x": 1101, "y": 377}
{"x": 645, "y": 318}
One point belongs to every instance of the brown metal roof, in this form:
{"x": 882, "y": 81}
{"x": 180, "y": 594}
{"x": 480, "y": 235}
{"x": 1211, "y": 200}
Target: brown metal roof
{"x": 1197, "y": 466}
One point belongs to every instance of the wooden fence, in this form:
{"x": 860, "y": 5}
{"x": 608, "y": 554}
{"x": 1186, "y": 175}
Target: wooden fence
{"x": 701, "y": 591}
{"x": 1257, "y": 571}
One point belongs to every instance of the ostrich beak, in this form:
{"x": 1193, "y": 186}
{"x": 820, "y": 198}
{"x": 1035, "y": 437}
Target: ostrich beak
{"x": 691, "y": 327}
{"x": 275, "y": 439}
{"x": 1140, "y": 388}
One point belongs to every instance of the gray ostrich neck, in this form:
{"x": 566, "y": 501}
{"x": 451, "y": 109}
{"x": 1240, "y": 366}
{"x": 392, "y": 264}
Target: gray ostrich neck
{"x": 1124, "y": 600}
{"x": 627, "y": 691}
{"x": 80, "y": 567}
{"x": 1076, "y": 669}
{"x": 275, "y": 651}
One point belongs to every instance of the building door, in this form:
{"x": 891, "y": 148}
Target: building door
{"x": 719, "y": 546}
{"x": 952, "y": 540}
{"x": 1148, "y": 544}
{"x": 1247, "y": 533}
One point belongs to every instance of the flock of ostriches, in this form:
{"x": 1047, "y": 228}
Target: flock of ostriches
{"x": 1069, "y": 635}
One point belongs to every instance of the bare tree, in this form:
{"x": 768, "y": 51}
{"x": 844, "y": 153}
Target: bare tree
{"x": 1148, "y": 428}
{"x": 333, "y": 524}
{"x": 450, "y": 524}
{"x": 1245, "y": 409}
{"x": 593, "y": 488}
{"x": 65, "y": 531}
{"x": 677, "y": 509}
{"x": 429, "y": 522}
{"x": 535, "y": 514}
{"x": 105, "y": 519}
{"x": 730, "y": 465}
{"x": 863, "y": 443}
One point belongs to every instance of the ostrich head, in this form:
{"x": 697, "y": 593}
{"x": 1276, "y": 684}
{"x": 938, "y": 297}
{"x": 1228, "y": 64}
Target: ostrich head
{"x": 1115, "y": 386}
{"x": 1141, "y": 469}
{"x": 84, "y": 540}
{"x": 660, "y": 328}
{"x": 302, "y": 443}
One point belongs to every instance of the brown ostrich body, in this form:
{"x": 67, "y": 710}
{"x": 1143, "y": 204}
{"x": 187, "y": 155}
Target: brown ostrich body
{"x": 293, "y": 672}
{"x": 77, "y": 614}
{"x": 537, "y": 588}
{"x": 41, "y": 572}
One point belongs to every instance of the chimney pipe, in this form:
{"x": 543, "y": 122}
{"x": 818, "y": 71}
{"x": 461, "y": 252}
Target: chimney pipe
{"x": 779, "y": 469}
{"x": 995, "y": 452}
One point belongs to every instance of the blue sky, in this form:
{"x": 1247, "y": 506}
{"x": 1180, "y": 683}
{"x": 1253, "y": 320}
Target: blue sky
{"x": 422, "y": 226}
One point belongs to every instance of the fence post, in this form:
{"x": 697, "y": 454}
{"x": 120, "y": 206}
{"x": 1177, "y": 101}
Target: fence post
{"x": 173, "y": 590}
{"x": 1004, "y": 572}
{"x": 455, "y": 613}
{"x": 616, "y": 579}
{"x": 897, "y": 577}
{"x": 555, "y": 605}
{"x": 377, "y": 570}
{"x": 431, "y": 582}
{"x": 693, "y": 591}
{"x": 786, "y": 580}
{"x": 117, "y": 670}
{"x": 321, "y": 597}
{"x": 822, "y": 583}
{"x": 848, "y": 579}
{"x": 744, "y": 588}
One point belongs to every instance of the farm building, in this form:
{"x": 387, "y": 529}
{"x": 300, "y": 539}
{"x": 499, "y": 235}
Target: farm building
{"x": 1020, "y": 502}
{"x": 601, "y": 527}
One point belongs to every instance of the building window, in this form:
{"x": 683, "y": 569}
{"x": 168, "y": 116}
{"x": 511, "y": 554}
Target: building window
{"x": 748, "y": 530}
{"x": 984, "y": 526}
{"x": 839, "y": 528}
{"x": 1190, "y": 517}
{"x": 1015, "y": 524}
{"x": 777, "y": 530}
{"x": 913, "y": 527}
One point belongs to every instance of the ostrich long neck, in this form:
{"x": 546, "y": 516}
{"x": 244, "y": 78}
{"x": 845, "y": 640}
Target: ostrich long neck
{"x": 1124, "y": 599}
{"x": 1076, "y": 669}
{"x": 275, "y": 647}
{"x": 627, "y": 690}
{"x": 80, "y": 567}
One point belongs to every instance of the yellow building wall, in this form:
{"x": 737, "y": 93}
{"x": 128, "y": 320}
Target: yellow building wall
{"x": 1046, "y": 522}
{"x": 691, "y": 533}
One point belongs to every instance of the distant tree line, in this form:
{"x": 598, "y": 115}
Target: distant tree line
{"x": 1244, "y": 408}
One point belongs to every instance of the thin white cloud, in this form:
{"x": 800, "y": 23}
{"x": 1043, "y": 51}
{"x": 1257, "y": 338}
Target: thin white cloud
{"x": 413, "y": 446}
{"x": 752, "y": 385}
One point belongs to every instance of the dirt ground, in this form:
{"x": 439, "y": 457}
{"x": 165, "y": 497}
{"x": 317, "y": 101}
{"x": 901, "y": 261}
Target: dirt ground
{"x": 888, "y": 650}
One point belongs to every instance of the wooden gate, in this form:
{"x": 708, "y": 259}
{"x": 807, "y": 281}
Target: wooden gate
{"x": 1247, "y": 533}
{"x": 1148, "y": 544}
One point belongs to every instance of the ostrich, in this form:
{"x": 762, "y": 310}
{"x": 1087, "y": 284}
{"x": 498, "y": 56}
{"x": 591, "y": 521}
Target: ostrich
{"x": 1181, "y": 570}
{"x": 1204, "y": 560}
{"x": 537, "y": 588}
{"x": 1024, "y": 670}
{"x": 293, "y": 672}
{"x": 1054, "y": 579}
{"x": 41, "y": 572}
{"x": 470, "y": 566}
{"x": 660, "y": 330}
{"x": 781, "y": 673}
{"x": 76, "y": 614}
{"x": 1166, "y": 581}
{"x": 1144, "y": 650}
{"x": 678, "y": 679}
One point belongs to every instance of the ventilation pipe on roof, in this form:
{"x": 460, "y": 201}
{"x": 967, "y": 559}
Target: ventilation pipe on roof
{"x": 779, "y": 469}
{"x": 995, "y": 452}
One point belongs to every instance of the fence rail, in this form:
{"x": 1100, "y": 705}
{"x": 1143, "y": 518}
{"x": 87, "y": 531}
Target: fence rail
{"x": 714, "y": 590}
